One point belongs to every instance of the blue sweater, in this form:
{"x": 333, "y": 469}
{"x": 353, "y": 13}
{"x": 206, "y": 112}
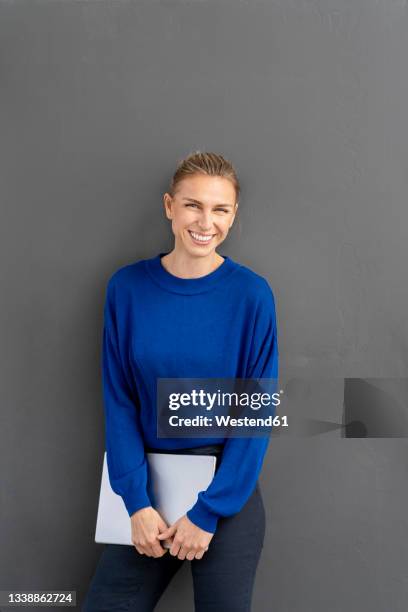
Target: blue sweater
{"x": 157, "y": 325}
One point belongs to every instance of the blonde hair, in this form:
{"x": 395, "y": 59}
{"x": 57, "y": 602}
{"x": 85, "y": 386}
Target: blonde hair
{"x": 211, "y": 164}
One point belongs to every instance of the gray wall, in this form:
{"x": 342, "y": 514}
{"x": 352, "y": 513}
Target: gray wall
{"x": 98, "y": 102}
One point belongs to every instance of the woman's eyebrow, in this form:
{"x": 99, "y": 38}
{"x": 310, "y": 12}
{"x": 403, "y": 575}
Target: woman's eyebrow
{"x": 198, "y": 202}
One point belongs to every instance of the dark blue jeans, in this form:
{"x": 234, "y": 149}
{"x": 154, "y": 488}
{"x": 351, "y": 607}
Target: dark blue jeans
{"x": 223, "y": 579}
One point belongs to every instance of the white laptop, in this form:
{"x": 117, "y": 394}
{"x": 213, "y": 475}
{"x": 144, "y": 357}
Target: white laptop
{"x": 176, "y": 480}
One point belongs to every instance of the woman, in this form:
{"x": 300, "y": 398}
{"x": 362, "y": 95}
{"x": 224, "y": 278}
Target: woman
{"x": 189, "y": 313}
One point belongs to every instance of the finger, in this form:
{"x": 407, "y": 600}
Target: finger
{"x": 190, "y": 555}
{"x": 200, "y": 554}
{"x": 139, "y": 550}
{"x": 174, "y": 549}
{"x": 168, "y": 542}
{"x": 163, "y": 526}
{"x": 167, "y": 532}
{"x": 157, "y": 549}
{"x": 182, "y": 553}
{"x": 146, "y": 551}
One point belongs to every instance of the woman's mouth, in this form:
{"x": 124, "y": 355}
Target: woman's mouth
{"x": 201, "y": 239}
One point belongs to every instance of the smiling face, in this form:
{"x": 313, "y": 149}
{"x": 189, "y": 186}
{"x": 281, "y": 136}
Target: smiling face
{"x": 202, "y": 211}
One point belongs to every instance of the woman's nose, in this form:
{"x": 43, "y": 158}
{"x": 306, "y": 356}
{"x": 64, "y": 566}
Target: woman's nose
{"x": 205, "y": 222}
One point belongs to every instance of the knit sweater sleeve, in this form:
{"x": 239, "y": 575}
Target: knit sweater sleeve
{"x": 242, "y": 458}
{"x": 126, "y": 459}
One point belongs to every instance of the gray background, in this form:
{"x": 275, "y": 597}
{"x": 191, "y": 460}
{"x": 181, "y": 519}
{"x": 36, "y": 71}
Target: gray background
{"x": 308, "y": 99}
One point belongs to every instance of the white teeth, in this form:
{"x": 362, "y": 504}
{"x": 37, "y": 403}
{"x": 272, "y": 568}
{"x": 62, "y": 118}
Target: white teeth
{"x": 201, "y": 238}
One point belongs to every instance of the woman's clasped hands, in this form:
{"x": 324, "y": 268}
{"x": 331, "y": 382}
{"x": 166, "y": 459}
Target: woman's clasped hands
{"x": 188, "y": 541}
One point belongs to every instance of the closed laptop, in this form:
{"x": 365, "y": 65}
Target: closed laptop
{"x": 175, "y": 481}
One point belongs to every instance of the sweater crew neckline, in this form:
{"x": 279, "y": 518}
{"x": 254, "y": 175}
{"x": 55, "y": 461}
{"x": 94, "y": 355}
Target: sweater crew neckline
{"x": 188, "y": 286}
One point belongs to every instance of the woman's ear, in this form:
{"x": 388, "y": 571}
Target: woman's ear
{"x": 167, "y": 201}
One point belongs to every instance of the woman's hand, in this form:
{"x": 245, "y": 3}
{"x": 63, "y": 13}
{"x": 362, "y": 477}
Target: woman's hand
{"x": 189, "y": 541}
{"x": 147, "y": 524}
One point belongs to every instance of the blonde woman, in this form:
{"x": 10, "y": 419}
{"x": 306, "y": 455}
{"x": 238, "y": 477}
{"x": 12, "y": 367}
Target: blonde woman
{"x": 190, "y": 313}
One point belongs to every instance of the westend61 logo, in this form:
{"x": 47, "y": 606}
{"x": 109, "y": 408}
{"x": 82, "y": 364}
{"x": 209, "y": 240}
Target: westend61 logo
{"x": 215, "y": 407}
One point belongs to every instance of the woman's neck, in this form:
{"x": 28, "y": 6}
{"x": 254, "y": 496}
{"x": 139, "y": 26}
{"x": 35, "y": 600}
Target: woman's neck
{"x": 185, "y": 266}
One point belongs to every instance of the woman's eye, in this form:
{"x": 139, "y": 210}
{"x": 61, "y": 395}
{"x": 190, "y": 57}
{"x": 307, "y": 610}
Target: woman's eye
{"x": 216, "y": 210}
